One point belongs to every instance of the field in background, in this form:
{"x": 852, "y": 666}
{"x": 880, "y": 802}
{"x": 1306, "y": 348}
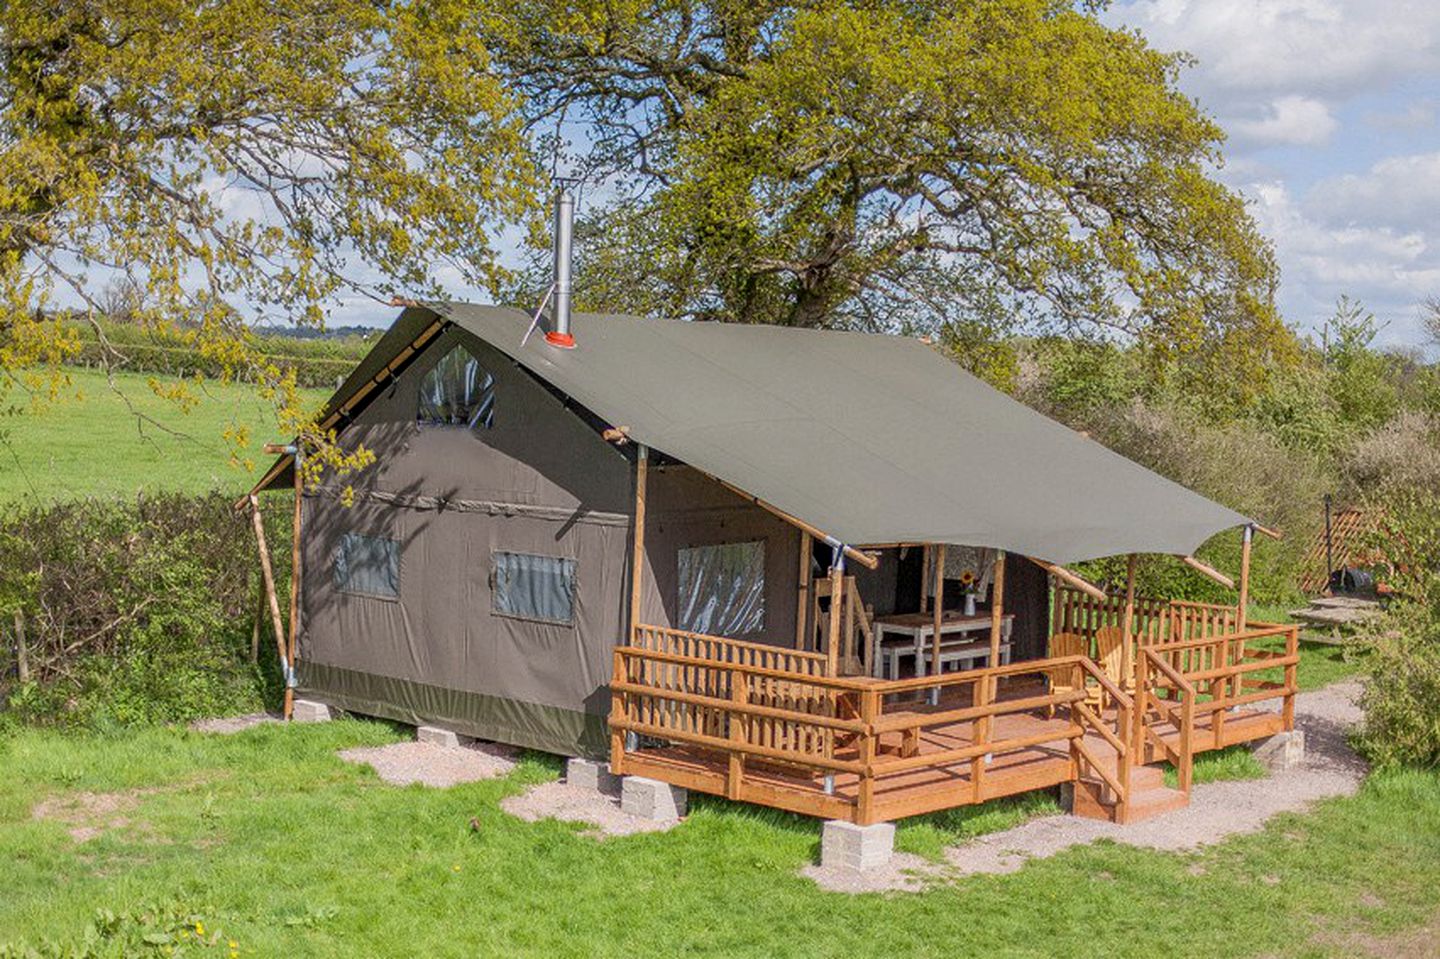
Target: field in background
{"x": 94, "y": 442}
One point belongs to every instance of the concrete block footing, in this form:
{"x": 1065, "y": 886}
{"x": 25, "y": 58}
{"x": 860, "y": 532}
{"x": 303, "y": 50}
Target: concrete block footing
{"x": 588, "y": 774}
{"x": 652, "y": 799}
{"x": 436, "y": 736}
{"x": 1282, "y": 751}
{"x": 309, "y": 711}
{"x": 849, "y": 846}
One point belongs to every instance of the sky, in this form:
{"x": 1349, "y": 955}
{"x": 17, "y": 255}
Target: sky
{"x": 1333, "y": 113}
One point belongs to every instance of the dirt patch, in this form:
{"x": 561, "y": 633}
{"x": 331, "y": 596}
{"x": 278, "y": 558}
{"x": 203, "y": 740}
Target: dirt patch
{"x": 401, "y": 764}
{"x": 1216, "y": 810}
{"x": 1422, "y": 942}
{"x": 600, "y": 810}
{"x": 226, "y": 725}
{"x": 89, "y": 815}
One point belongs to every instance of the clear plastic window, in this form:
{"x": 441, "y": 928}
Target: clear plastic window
{"x": 526, "y": 586}
{"x": 458, "y": 392}
{"x": 722, "y": 588}
{"x": 368, "y": 564}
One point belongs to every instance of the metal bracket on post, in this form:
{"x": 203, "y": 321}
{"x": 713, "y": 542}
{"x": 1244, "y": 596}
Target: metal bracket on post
{"x": 632, "y": 742}
{"x": 829, "y": 784}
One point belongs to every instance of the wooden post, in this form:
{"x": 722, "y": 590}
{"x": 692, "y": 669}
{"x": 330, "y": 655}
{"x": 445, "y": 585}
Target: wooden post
{"x": 1243, "y": 612}
{"x": 617, "y": 714}
{"x": 869, "y": 713}
{"x": 637, "y": 549}
{"x": 832, "y": 632}
{"x": 269, "y": 577}
{"x": 22, "y": 657}
{"x": 255, "y": 626}
{"x": 739, "y": 722}
{"x": 295, "y": 581}
{"x": 924, "y": 570}
{"x": 997, "y": 607}
{"x": 938, "y": 554}
{"x": 802, "y": 589}
{"x": 1127, "y": 625}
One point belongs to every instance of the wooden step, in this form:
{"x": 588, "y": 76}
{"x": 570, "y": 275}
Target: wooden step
{"x": 1094, "y": 801}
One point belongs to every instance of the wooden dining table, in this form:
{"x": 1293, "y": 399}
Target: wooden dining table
{"x": 915, "y": 633}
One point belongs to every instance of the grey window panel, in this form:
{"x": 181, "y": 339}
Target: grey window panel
{"x": 527, "y": 586}
{"x": 368, "y": 564}
{"x": 722, "y": 588}
{"x": 457, "y": 392}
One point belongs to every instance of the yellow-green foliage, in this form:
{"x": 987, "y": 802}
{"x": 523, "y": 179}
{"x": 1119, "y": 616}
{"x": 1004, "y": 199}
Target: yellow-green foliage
{"x": 1007, "y": 163}
{"x": 236, "y": 159}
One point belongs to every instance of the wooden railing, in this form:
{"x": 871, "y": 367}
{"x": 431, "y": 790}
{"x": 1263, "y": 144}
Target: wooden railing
{"x": 1152, "y": 674}
{"x": 752, "y": 714}
{"x": 1225, "y": 671}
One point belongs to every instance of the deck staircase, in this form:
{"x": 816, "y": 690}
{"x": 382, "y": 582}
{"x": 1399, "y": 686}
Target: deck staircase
{"x": 1149, "y": 797}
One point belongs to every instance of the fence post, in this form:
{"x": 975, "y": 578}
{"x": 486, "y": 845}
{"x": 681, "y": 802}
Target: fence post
{"x": 1292, "y": 676}
{"x": 739, "y": 729}
{"x": 869, "y": 713}
{"x": 22, "y": 657}
{"x": 1187, "y": 724}
{"x": 1137, "y": 719}
{"x": 985, "y": 696}
{"x": 619, "y": 674}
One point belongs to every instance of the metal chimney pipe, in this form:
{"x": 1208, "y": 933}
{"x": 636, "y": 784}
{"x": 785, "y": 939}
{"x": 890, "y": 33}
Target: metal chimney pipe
{"x": 559, "y": 334}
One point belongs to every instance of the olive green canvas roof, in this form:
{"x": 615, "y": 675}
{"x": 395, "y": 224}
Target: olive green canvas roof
{"x": 870, "y": 438}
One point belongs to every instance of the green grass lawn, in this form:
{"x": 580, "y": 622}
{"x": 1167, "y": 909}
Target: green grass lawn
{"x": 95, "y": 442}
{"x": 268, "y": 840}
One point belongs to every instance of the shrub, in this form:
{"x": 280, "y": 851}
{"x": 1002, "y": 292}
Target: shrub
{"x": 1402, "y": 687}
{"x": 134, "y": 612}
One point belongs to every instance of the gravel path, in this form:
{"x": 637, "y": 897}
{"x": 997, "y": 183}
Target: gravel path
{"x": 601, "y": 810}
{"x": 1216, "y": 810}
{"x": 430, "y": 765}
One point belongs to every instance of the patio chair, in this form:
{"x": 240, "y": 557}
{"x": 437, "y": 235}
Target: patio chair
{"x": 1109, "y": 655}
{"x": 1062, "y": 680}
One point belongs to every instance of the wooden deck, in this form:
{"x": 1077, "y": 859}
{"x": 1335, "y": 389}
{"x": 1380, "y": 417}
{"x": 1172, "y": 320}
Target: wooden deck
{"x": 763, "y": 725}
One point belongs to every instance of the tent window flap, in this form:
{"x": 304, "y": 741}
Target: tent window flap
{"x": 526, "y": 586}
{"x": 722, "y": 588}
{"x": 458, "y": 392}
{"x": 369, "y": 565}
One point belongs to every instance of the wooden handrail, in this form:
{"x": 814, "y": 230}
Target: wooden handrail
{"x": 895, "y": 765}
{"x": 675, "y": 659}
{"x": 748, "y": 709}
{"x": 715, "y": 742}
{"x": 967, "y": 676}
{"x": 909, "y": 721}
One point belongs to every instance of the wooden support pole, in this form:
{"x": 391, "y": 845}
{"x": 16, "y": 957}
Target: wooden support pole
{"x": 22, "y": 656}
{"x": 1127, "y": 624}
{"x": 637, "y": 548}
{"x": 1242, "y": 613}
{"x": 1207, "y": 570}
{"x": 924, "y": 571}
{"x": 997, "y": 607}
{"x": 802, "y": 589}
{"x": 938, "y": 554}
{"x": 832, "y": 633}
{"x": 1070, "y": 579}
{"x": 269, "y": 576}
{"x": 295, "y": 581}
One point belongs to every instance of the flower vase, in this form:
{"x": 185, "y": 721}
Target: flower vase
{"x": 969, "y": 604}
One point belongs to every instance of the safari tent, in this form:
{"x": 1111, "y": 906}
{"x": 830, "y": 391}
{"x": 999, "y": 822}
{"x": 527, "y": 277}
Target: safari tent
{"x": 817, "y": 570}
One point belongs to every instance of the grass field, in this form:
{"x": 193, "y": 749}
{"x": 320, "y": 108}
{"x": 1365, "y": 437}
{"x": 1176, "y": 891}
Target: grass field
{"x": 94, "y": 442}
{"x": 267, "y": 840}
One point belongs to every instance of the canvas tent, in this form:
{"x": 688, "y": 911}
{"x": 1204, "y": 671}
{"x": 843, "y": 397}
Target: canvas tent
{"x": 406, "y": 604}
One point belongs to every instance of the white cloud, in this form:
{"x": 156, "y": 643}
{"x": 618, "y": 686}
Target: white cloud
{"x": 1292, "y": 119}
{"x": 1402, "y": 192}
{"x": 1264, "y": 48}
{"x": 1389, "y": 268}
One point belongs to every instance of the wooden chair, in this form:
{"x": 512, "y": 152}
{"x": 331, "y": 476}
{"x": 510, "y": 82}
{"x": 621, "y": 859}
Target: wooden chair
{"x": 1110, "y": 654}
{"x": 1062, "y": 680}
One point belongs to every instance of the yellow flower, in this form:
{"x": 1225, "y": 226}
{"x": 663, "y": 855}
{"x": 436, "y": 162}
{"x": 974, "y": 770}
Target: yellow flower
{"x": 199, "y": 929}
{"x": 456, "y": 867}
{"x": 233, "y": 944}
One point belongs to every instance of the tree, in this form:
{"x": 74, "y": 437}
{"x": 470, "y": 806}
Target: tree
{"x": 238, "y": 159}
{"x": 897, "y": 166}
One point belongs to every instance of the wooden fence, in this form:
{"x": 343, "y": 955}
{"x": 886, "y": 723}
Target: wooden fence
{"x": 717, "y": 715}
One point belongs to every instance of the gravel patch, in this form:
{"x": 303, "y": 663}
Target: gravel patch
{"x": 226, "y": 725}
{"x": 598, "y": 809}
{"x": 89, "y": 815}
{"x": 401, "y": 764}
{"x": 1216, "y": 810}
